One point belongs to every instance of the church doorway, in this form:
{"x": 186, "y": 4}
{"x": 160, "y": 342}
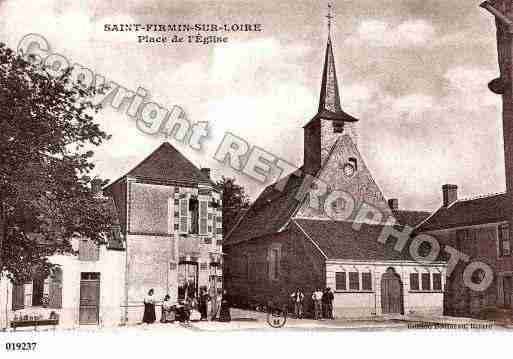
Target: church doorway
{"x": 391, "y": 293}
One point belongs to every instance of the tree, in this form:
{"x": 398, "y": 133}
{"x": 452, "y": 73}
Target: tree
{"x": 235, "y": 202}
{"x": 46, "y": 126}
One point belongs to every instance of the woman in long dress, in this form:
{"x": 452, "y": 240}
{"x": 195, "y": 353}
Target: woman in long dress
{"x": 224, "y": 312}
{"x": 149, "y": 316}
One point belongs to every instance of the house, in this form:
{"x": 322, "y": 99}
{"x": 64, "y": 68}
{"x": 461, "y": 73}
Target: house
{"x": 171, "y": 214}
{"x": 481, "y": 227}
{"x": 86, "y": 287}
{"x": 283, "y": 242}
{"x": 168, "y": 237}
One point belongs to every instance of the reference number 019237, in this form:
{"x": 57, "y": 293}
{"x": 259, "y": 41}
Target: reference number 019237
{"x": 20, "y": 346}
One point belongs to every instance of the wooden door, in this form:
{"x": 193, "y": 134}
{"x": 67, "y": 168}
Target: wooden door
{"x": 391, "y": 293}
{"x": 89, "y": 298}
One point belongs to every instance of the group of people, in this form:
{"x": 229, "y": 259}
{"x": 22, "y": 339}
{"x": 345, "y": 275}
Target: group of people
{"x": 192, "y": 308}
{"x": 322, "y": 303}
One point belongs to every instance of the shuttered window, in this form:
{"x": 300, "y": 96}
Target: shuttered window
{"x": 366, "y": 281}
{"x": 18, "y": 296}
{"x": 414, "y": 281}
{"x": 437, "y": 281}
{"x": 203, "y": 217}
{"x": 274, "y": 263}
{"x": 184, "y": 215}
{"x": 55, "y": 292}
{"x": 340, "y": 281}
{"x": 354, "y": 281}
{"x": 504, "y": 242}
{"x": 426, "y": 281}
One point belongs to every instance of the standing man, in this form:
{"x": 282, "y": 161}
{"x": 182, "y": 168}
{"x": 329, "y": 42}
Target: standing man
{"x": 317, "y": 299}
{"x": 297, "y": 298}
{"x": 329, "y": 303}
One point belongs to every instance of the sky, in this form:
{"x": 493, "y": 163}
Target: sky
{"x": 414, "y": 72}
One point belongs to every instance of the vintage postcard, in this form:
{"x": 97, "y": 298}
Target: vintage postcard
{"x": 173, "y": 170}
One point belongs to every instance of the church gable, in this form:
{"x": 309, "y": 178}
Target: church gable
{"x": 345, "y": 170}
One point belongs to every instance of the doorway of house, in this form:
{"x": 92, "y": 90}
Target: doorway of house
{"x": 391, "y": 293}
{"x": 89, "y": 311}
{"x": 187, "y": 280}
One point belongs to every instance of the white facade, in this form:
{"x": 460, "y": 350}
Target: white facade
{"x": 367, "y": 303}
{"x": 110, "y": 267}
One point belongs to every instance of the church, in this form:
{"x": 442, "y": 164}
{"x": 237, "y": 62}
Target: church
{"x": 281, "y": 243}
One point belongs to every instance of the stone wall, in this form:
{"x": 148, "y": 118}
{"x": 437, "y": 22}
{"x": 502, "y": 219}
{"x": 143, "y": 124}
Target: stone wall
{"x": 248, "y": 280}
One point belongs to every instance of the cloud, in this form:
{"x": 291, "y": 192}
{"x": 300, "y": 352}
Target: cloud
{"x": 379, "y": 33}
{"x": 414, "y": 73}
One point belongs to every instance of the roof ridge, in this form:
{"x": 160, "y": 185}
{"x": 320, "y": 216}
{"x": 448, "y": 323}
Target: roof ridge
{"x": 411, "y": 210}
{"x": 487, "y": 195}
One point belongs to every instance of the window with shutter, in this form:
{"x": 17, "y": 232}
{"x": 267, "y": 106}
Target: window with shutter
{"x": 366, "y": 281}
{"x": 18, "y": 296}
{"x": 340, "y": 281}
{"x": 437, "y": 281}
{"x": 274, "y": 263}
{"x": 28, "y": 294}
{"x": 55, "y": 297}
{"x": 203, "y": 217}
{"x": 184, "y": 215}
{"x": 414, "y": 281}
{"x": 504, "y": 243}
{"x": 38, "y": 285}
{"x": 354, "y": 281}
{"x": 426, "y": 281}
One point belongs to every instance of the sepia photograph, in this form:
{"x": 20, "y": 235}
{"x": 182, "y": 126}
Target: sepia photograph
{"x": 246, "y": 178}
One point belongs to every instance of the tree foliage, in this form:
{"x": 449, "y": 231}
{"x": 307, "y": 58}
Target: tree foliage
{"x": 47, "y": 131}
{"x": 235, "y": 202}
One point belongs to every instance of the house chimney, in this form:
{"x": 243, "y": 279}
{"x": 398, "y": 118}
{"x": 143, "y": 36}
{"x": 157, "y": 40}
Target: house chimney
{"x": 393, "y": 203}
{"x": 450, "y": 194}
{"x": 206, "y": 172}
{"x": 96, "y": 186}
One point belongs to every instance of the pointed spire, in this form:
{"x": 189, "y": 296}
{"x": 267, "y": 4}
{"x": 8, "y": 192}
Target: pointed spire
{"x": 329, "y": 101}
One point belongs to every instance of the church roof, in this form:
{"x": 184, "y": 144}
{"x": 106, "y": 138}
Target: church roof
{"x": 270, "y": 212}
{"x": 274, "y": 209}
{"x": 329, "y": 99}
{"x": 469, "y": 212}
{"x": 339, "y": 240}
{"x": 166, "y": 163}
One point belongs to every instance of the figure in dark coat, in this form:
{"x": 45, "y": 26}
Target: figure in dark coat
{"x": 224, "y": 312}
{"x": 149, "y": 316}
{"x": 328, "y": 303}
{"x": 204, "y": 297}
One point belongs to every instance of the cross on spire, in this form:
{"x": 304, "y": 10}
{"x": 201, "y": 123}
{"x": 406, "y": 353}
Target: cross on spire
{"x": 329, "y": 17}
{"x": 329, "y": 101}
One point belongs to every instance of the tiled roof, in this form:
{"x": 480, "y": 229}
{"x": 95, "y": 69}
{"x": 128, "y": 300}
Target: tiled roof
{"x": 269, "y": 213}
{"x": 410, "y": 218}
{"x": 167, "y": 163}
{"x": 488, "y": 209}
{"x": 339, "y": 240}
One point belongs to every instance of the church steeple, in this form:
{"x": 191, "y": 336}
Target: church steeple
{"x": 330, "y": 122}
{"x": 329, "y": 100}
